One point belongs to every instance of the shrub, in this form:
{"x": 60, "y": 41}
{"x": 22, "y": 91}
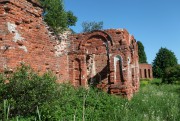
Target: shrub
{"x": 172, "y": 75}
{"x": 26, "y": 90}
{"x": 144, "y": 82}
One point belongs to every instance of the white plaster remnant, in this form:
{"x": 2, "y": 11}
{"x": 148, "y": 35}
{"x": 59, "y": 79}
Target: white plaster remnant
{"x": 94, "y": 66}
{"x": 60, "y": 47}
{"x": 12, "y": 29}
{"x": 64, "y": 35}
{"x": 129, "y": 60}
{"x": 91, "y": 66}
{"x": 116, "y": 59}
{"x": 4, "y": 66}
{"x": 23, "y": 48}
{"x": 130, "y": 38}
{"x": 5, "y": 48}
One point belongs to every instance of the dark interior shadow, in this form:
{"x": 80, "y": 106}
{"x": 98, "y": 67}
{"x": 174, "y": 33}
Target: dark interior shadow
{"x": 103, "y": 74}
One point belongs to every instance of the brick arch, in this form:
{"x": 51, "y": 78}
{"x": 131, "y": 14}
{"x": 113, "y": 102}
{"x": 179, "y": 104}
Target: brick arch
{"x": 120, "y": 54}
{"x": 97, "y": 34}
{"x": 109, "y": 38}
{"x": 113, "y": 68}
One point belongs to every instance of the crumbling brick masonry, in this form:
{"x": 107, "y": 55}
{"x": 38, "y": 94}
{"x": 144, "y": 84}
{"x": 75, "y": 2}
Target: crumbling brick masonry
{"x": 145, "y": 71}
{"x": 106, "y": 59}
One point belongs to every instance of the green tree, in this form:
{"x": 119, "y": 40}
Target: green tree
{"x": 172, "y": 74}
{"x": 141, "y": 53}
{"x": 90, "y": 26}
{"x": 56, "y": 16}
{"x": 71, "y": 19}
{"x": 164, "y": 58}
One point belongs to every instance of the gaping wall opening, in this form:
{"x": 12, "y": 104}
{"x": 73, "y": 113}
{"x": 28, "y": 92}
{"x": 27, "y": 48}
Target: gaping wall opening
{"x": 96, "y": 60}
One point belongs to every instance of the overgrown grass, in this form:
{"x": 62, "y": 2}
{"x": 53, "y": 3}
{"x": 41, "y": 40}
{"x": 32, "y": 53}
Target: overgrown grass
{"x": 154, "y": 102}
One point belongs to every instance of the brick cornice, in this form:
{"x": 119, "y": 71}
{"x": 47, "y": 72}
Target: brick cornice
{"x": 1, "y": 1}
{"x": 35, "y": 2}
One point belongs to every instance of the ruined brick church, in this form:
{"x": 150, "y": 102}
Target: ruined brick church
{"x": 107, "y": 59}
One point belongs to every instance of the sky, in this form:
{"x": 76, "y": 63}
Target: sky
{"x": 156, "y": 23}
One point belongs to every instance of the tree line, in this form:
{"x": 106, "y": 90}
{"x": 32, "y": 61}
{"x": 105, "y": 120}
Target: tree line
{"x": 164, "y": 65}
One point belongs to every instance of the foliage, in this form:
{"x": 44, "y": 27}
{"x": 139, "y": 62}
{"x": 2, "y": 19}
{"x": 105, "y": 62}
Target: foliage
{"x": 172, "y": 74}
{"x": 90, "y": 26}
{"x": 71, "y": 19}
{"x": 56, "y": 16}
{"x": 144, "y": 82}
{"x": 141, "y": 53}
{"x": 152, "y": 103}
{"x": 26, "y": 90}
{"x": 164, "y": 58}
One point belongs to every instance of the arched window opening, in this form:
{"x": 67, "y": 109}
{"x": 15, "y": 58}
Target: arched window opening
{"x": 118, "y": 76}
{"x": 140, "y": 73}
{"x": 77, "y": 73}
{"x": 132, "y": 73}
{"x": 145, "y": 73}
{"x": 149, "y": 73}
{"x": 120, "y": 42}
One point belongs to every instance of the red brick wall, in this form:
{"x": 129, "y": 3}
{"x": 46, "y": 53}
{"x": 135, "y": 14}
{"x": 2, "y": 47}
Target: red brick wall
{"x": 24, "y": 39}
{"x": 109, "y": 60}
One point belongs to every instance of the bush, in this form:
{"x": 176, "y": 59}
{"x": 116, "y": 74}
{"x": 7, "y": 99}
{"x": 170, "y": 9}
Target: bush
{"x": 144, "y": 82}
{"x": 172, "y": 75}
{"x": 26, "y": 91}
